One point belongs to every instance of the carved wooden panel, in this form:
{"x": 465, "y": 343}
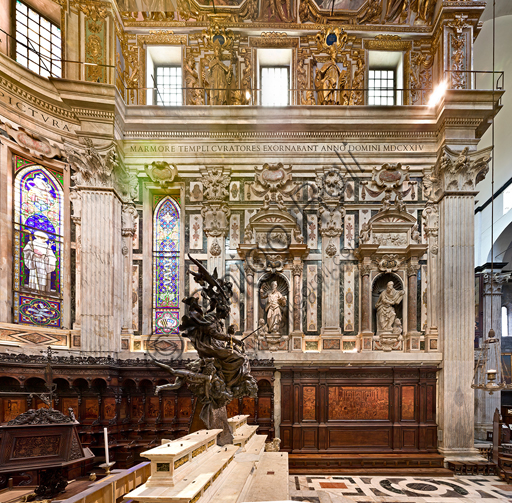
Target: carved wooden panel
{"x": 109, "y": 408}
{"x": 248, "y": 406}
{"x": 92, "y": 410}
{"x": 407, "y": 403}
{"x": 358, "y": 402}
{"x": 34, "y": 447}
{"x": 153, "y": 407}
{"x": 351, "y": 410}
{"x": 264, "y": 407}
{"x": 184, "y": 407}
{"x": 124, "y": 408}
{"x": 168, "y": 408}
{"x": 308, "y": 403}
{"x": 232, "y": 408}
{"x": 12, "y": 409}
{"x": 137, "y": 407}
{"x": 70, "y": 403}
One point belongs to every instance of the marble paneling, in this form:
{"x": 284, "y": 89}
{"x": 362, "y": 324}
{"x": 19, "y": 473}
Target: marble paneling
{"x": 349, "y": 272}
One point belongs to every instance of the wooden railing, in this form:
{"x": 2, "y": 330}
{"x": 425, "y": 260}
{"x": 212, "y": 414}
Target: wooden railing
{"x": 113, "y": 487}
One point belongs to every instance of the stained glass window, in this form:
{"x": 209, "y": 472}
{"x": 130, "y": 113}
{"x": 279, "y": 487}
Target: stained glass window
{"x": 38, "y": 241}
{"x": 166, "y": 266}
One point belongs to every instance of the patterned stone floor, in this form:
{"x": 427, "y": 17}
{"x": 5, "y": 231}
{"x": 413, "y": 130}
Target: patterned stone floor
{"x": 344, "y": 489}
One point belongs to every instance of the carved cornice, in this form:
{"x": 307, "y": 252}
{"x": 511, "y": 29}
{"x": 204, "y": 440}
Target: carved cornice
{"x": 165, "y": 37}
{"x": 65, "y": 114}
{"x": 387, "y": 43}
{"x": 274, "y": 39}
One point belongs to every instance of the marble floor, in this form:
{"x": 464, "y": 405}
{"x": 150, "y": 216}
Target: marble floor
{"x": 388, "y": 489}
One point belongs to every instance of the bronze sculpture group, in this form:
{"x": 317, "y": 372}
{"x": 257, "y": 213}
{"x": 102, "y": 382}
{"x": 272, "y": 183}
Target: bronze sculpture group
{"x": 222, "y": 372}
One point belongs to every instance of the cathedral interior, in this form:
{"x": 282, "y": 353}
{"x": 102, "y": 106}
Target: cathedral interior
{"x": 319, "y": 186}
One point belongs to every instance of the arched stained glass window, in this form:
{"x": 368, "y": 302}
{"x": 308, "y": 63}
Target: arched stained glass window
{"x": 166, "y": 266}
{"x": 38, "y": 242}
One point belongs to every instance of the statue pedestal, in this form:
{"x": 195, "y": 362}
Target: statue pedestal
{"x": 388, "y": 341}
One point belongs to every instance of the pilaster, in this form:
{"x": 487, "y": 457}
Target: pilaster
{"x": 451, "y": 183}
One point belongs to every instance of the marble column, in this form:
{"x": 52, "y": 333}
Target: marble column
{"x": 128, "y": 223}
{"x": 297, "y": 274}
{"x": 249, "y": 295}
{"x": 431, "y": 232}
{"x": 451, "y": 183}
{"x": 412, "y": 342}
{"x": 486, "y": 404}
{"x": 102, "y": 271}
{"x": 277, "y": 404}
{"x": 76, "y": 217}
{"x": 365, "y": 270}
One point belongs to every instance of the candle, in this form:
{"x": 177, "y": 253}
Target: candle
{"x": 106, "y": 445}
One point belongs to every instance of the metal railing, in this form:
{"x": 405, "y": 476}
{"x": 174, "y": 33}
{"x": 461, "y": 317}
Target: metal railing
{"x": 131, "y": 95}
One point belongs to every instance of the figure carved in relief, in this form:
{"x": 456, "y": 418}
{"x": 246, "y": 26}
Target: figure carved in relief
{"x": 273, "y": 308}
{"x": 330, "y": 82}
{"x": 386, "y": 314}
{"x": 247, "y": 79}
{"x": 40, "y": 260}
{"x": 194, "y": 93}
{"x": 218, "y": 77}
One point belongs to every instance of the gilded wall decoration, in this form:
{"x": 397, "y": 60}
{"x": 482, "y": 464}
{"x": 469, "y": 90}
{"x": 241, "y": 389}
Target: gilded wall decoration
{"x": 458, "y": 51}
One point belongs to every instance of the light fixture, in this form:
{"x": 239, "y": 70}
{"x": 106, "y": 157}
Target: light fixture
{"x": 247, "y": 95}
{"x": 438, "y": 93}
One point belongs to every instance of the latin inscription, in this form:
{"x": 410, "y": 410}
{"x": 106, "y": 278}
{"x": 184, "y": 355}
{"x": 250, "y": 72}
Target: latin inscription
{"x": 265, "y": 148}
{"x": 33, "y": 112}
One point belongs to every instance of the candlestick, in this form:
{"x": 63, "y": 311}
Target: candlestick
{"x": 105, "y": 433}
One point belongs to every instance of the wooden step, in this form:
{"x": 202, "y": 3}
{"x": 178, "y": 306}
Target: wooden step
{"x": 243, "y": 434}
{"x": 193, "y": 486}
{"x": 256, "y": 445}
{"x": 270, "y": 481}
{"x": 333, "y": 463}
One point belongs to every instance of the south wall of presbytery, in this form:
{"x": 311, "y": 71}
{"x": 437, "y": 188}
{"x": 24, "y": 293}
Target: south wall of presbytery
{"x": 333, "y": 216}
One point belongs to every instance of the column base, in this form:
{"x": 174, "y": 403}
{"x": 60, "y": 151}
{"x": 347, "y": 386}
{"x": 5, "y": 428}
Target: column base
{"x": 470, "y": 454}
{"x": 431, "y": 341}
{"x": 481, "y": 430}
{"x": 331, "y": 331}
{"x": 412, "y": 342}
{"x": 366, "y": 341}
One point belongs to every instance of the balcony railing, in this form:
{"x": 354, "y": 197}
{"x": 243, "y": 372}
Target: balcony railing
{"x": 131, "y": 95}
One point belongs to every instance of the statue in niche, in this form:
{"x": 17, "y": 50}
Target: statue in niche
{"x": 386, "y": 314}
{"x": 218, "y": 77}
{"x": 330, "y": 82}
{"x": 276, "y": 301}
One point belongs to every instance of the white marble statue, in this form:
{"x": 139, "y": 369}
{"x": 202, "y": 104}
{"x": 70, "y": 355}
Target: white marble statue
{"x": 273, "y": 308}
{"x": 386, "y": 314}
{"x": 40, "y": 261}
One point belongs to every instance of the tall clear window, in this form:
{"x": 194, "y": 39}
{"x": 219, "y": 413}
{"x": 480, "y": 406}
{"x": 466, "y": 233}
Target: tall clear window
{"x": 168, "y": 86}
{"x": 507, "y": 199}
{"x": 38, "y": 42}
{"x": 166, "y": 265}
{"x": 275, "y": 85}
{"x": 38, "y": 241}
{"x": 381, "y": 87}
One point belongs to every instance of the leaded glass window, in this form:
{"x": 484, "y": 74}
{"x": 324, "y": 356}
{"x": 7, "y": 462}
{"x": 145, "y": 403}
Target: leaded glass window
{"x": 381, "y": 87}
{"x": 166, "y": 265}
{"x": 38, "y": 244}
{"x": 168, "y": 86}
{"x": 38, "y": 42}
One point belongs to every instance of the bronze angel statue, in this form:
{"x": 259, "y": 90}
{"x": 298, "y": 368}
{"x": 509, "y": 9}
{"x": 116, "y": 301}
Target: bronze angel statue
{"x": 222, "y": 372}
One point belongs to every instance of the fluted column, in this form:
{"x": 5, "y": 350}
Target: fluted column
{"x": 451, "y": 183}
{"x": 486, "y": 404}
{"x": 102, "y": 271}
{"x": 128, "y": 220}
{"x": 297, "y": 274}
{"x": 76, "y": 217}
{"x": 249, "y": 292}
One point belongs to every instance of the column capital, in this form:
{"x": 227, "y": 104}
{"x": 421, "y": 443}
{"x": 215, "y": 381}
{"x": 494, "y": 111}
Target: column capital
{"x": 456, "y": 173}
{"x": 493, "y": 284}
{"x": 248, "y": 269}
{"x": 365, "y": 269}
{"x": 412, "y": 269}
{"x": 297, "y": 268}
